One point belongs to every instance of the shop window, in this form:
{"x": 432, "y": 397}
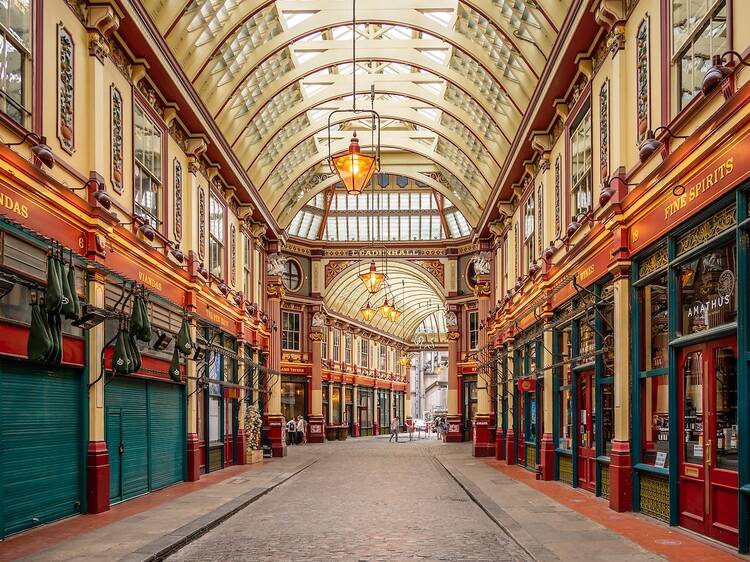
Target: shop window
{"x": 692, "y": 404}
{"x": 215, "y": 372}
{"x": 655, "y": 327}
{"x": 699, "y": 31}
{"x": 580, "y": 163}
{"x": 15, "y": 59}
{"x": 347, "y": 348}
{"x": 291, "y": 277}
{"x": 707, "y": 291}
{"x": 336, "y": 404}
{"x": 290, "y": 331}
{"x": 655, "y": 420}
{"x": 147, "y": 183}
{"x": 216, "y": 237}
{"x": 293, "y": 399}
{"x": 337, "y": 345}
{"x": 608, "y": 416}
{"x": 258, "y": 271}
{"x": 473, "y": 330}
{"x": 725, "y": 390}
{"x": 505, "y": 266}
{"x": 364, "y": 353}
{"x": 565, "y": 393}
{"x": 528, "y": 231}
{"x": 324, "y": 344}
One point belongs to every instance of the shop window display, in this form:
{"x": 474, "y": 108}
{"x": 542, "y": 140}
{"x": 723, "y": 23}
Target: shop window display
{"x": 655, "y": 414}
{"x": 692, "y": 372}
{"x": 655, "y": 329}
{"x": 707, "y": 291}
{"x": 725, "y": 389}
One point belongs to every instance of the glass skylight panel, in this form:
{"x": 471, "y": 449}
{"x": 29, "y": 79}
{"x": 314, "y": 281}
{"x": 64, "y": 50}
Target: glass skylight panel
{"x": 294, "y": 225}
{"x": 304, "y": 56}
{"x": 277, "y": 144}
{"x": 343, "y": 32}
{"x": 438, "y": 55}
{"x": 482, "y": 122}
{"x": 397, "y": 68}
{"x": 267, "y": 117}
{"x": 442, "y": 17}
{"x": 434, "y": 87}
{"x": 469, "y": 68}
{"x": 263, "y": 75}
{"x": 302, "y": 152}
{"x": 293, "y": 19}
{"x": 209, "y": 16}
{"x": 398, "y": 32}
{"x": 429, "y": 112}
{"x": 450, "y": 218}
{"x": 311, "y": 89}
{"x": 455, "y": 126}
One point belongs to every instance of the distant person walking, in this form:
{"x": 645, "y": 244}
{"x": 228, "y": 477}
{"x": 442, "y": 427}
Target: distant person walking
{"x": 394, "y": 429}
{"x": 301, "y": 427}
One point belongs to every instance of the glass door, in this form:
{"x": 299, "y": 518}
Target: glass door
{"x": 586, "y": 425}
{"x": 709, "y": 440}
{"x": 469, "y": 407}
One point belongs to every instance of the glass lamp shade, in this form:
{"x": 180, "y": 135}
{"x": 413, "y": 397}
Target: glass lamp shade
{"x": 368, "y": 312}
{"x": 394, "y": 314}
{"x": 385, "y": 308}
{"x": 372, "y": 279}
{"x": 404, "y": 360}
{"x": 354, "y": 168}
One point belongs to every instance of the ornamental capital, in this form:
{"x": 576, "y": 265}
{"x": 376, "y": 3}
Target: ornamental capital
{"x": 275, "y": 290}
{"x": 453, "y": 336}
{"x": 316, "y": 335}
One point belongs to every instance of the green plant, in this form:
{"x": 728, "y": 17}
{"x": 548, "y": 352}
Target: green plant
{"x": 253, "y": 423}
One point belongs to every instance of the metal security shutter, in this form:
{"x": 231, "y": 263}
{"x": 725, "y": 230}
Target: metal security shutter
{"x": 126, "y": 433}
{"x": 40, "y": 445}
{"x": 166, "y": 428}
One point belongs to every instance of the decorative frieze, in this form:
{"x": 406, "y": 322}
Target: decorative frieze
{"x": 201, "y": 223}
{"x": 333, "y": 268}
{"x": 653, "y": 263}
{"x": 435, "y": 268}
{"x": 558, "y": 196}
{"x": 540, "y": 218}
{"x": 65, "y": 89}
{"x": 705, "y": 231}
{"x": 116, "y": 131}
{"x": 604, "y": 131}
{"x": 642, "y": 79}
{"x": 177, "y": 178}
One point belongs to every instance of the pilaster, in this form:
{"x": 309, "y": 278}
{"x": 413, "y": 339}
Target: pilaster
{"x": 275, "y": 421}
{"x": 315, "y": 431}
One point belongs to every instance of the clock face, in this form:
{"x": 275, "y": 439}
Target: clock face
{"x": 725, "y": 287}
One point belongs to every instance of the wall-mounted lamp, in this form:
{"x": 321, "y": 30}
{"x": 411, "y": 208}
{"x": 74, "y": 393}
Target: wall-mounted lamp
{"x": 163, "y": 340}
{"x": 7, "y": 283}
{"x": 651, "y": 144}
{"x": 719, "y": 70}
{"x": 40, "y": 148}
{"x": 147, "y": 231}
{"x": 90, "y": 316}
{"x": 605, "y": 195}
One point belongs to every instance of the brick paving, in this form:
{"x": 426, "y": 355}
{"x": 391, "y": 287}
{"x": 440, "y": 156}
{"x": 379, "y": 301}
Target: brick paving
{"x": 363, "y": 500}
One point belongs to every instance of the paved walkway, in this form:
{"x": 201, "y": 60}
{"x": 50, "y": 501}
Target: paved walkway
{"x": 364, "y": 500}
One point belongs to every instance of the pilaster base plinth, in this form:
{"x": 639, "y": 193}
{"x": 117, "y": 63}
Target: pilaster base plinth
{"x": 483, "y": 444}
{"x": 547, "y": 457}
{"x": 193, "y": 458}
{"x": 315, "y": 430}
{"x": 500, "y": 445}
{"x": 275, "y": 434}
{"x": 510, "y": 449}
{"x": 620, "y": 476}
{"x": 97, "y": 477}
{"x": 454, "y": 435}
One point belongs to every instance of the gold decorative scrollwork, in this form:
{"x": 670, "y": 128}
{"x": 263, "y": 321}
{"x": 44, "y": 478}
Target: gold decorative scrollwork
{"x": 482, "y": 289}
{"x": 654, "y": 262}
{"x": 453, "y": 336}
{"x": 655, "y": 496}
{"x": 714, "y": 225}
{"x": 275, "y": 290}
{"x": 316, "y": 336}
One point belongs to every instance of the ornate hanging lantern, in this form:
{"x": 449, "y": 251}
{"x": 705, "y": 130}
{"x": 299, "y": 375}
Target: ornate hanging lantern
{"x": 368, "y": 312}
{"x": 372, "y": 279}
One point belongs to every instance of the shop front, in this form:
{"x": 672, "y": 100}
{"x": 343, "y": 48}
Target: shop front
{"x": 383, "y": 396}
{"x": 583, "y": 407}
{"x": 366, "y": 411}
{"x": 527, "y": 406}
{"x": 468, "y": 404}
{"x": 690, "y": 357}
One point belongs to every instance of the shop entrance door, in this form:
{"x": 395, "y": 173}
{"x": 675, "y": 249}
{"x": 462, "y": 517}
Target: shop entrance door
{"x": 709, "y": 440}
{"x": 586, "y": 424}
{"x": 469, "y": 407}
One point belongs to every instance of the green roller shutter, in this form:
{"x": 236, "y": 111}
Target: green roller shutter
{"x": 166, "y": 434}
{"x": 127, "y": 422}
{"x": 145, "y": 432}
{"x": 40, "y": 445}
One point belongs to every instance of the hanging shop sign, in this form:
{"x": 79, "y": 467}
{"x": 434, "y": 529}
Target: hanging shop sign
{"x": 590, "y": 271}
{"x": 20, "y": 208}
{"x": 527, "y": 385}
{"x": 709, "y": 182}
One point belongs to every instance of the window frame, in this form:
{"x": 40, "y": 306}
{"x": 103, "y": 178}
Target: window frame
{"x": 529, "y": 238}
{"x": 364, "y": 353}
{"x": 584, "y": 111}
{"x": 292, "y": 262}
{"x": 336, "y": 345}
{"x": 212, "y": 196}
{"x": 159, "y": 220}
{"x": 29, "y": 71}
{"x": 291, "y": 335}
{"x": 347, "y": 348}
{"x": 473, "y": 335}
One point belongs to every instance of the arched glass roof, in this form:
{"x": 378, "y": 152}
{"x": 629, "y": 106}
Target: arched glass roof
{"x": 398, "y": 209}
{"x": 452, "y": 81}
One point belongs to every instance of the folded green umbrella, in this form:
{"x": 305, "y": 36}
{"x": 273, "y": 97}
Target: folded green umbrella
{"x": 68, "y": 308}
{"x": 145, "y": 334}
{"x": 55, "y": 331}
{"x": 174, "y": 366}
{"x": 76, "y": 314}
{"x": 135, "y": 353}
{"x": 184, "y": 342}
{"x": 120, "y": 358}
{"x": 53, "y": 296}
{"x": 39, "y": 343}
{"x": 136, "y": 321}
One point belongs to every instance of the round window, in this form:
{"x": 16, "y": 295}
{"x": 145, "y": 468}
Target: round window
{"x": 292, "y": 275}
{"x": 471, "y": 275}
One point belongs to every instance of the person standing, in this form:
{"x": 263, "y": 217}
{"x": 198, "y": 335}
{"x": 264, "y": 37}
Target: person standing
{"x": 394, "y": 429}
{"x": 291, "y": 432}
{"x": 301, "y": 427}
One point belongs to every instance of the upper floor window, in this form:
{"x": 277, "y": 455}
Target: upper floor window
{"x": 148, "y": 158}
{"x": 364, "y": 353}
{"x": 383, "y": 351}
{"x": 699, "y": 30}
{"x": 528, "y": 231}
{"x": 290, "y": 336}
{"x": 473, "y": 330}
{"x": 324, "y": 344}
{"x": 216, "y": 236}
{"x": 347, "y": 348}
{"x": 505, "y": 266}
{"x": 336, "y": 345}
{"x": 580, "y": 163}
{"x": 258, "y": 271}
{"x": 15, "y": 59}
{"x": 291, "y": 277}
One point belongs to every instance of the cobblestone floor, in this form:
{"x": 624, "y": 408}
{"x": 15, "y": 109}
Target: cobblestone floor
{"x": 365, "y": 500}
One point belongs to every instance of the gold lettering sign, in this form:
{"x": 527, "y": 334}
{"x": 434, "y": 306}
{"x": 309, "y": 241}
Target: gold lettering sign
{"x": 218, "y": 318}
{"x": 588, "y": 272}
{"x": 694, "y": 191}
{"x": 152, "y": 282}
{"x": 14, "y": 206}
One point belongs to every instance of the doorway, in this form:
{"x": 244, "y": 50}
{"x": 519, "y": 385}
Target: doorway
{"x": 586, "y": 428}
{"x": 708, "y": 463}
{"x": 469, "y": 407}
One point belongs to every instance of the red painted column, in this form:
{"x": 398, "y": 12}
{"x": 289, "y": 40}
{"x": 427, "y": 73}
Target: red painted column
{"x": 315, "y": 422}
{"x": 97, "y": 477}
{"x": 499, "y": 444}
{"x": 483, "y": 437}
{"x": 241, "y": 445}
{"x": 510, "y": 451}
{"x": 275, "y": 421}
{"x": 620, "y": 477}
{"x": 193, "y": 458}
{"x": 547, "y": 455}
{"x": 455, "y": 435}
